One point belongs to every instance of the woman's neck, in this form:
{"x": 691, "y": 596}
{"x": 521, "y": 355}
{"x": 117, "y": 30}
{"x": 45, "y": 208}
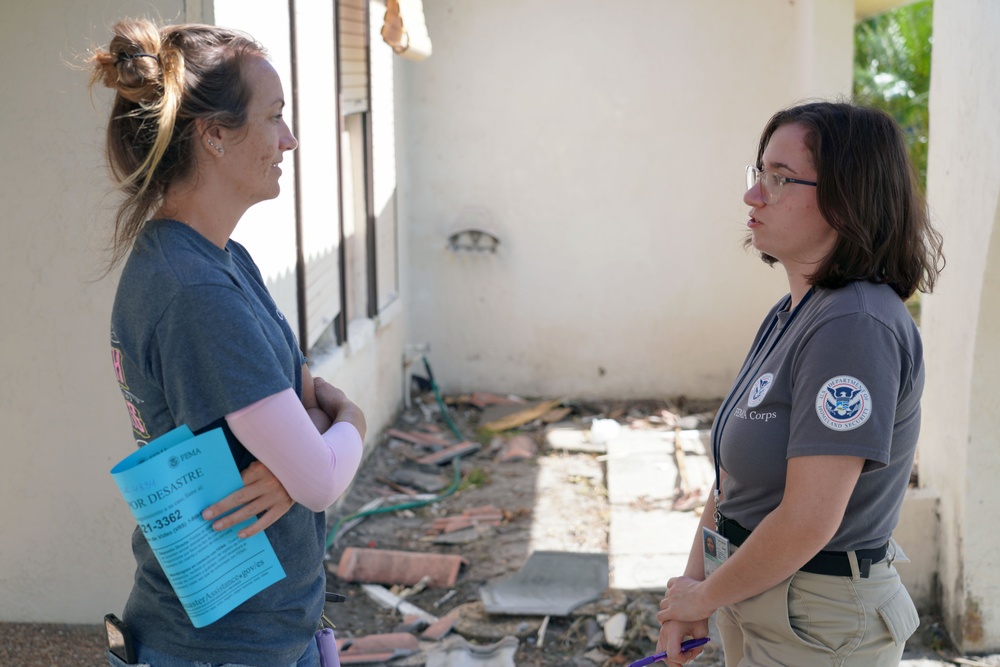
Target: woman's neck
{"x": 798, "y": 287}
{"x": 199, "y": 209}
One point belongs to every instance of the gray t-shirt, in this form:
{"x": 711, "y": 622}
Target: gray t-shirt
{"x": 195, "y": 336}
{"x": 842, "y": 375}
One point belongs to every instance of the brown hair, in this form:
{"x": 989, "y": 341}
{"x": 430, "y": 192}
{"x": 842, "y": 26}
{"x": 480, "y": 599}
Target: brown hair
{"x": 164, "y": 79}
{"x": 867, "y": 191}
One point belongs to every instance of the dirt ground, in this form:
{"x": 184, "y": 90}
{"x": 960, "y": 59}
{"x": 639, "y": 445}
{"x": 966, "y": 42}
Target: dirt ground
{"x": 554, "y": 500}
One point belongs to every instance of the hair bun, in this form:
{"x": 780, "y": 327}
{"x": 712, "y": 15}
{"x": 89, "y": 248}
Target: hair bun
{"x": 138, "y": 78}
{"x": 131, "y": 64}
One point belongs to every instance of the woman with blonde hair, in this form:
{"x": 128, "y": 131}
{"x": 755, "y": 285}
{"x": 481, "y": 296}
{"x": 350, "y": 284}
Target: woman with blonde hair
{"x": 195, "y": 138}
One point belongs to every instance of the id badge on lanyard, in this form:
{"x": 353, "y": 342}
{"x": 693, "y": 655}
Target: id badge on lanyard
{"x": 715, "y": 548}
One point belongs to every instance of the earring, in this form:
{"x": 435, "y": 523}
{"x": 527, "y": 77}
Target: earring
{"x": 212, "y": 144}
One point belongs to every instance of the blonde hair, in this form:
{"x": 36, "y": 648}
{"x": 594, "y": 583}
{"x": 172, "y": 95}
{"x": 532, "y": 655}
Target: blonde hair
{"x": 164, "y": 79}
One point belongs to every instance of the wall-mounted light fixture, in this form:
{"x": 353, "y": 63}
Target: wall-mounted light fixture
{"x": 473, "y": 240}
{"x": 472, "y": 232}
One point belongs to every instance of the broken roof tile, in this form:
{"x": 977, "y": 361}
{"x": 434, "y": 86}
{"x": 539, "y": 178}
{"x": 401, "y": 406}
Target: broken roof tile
{"x": 475, "y": 516}
{"x": 458, "y": 652}
{"x": 418, "y": 438}
{"x": 376, "y": 648}
{"x": 387, "y": 566}
{"x": 549, "y": 582}
{"x": 449, "y": 453}
{"x": 437, "y": 631}
{"x": 518, "y": 448}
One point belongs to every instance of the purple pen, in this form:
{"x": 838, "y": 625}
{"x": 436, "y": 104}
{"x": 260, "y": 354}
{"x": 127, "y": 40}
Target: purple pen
{"x": 685, "y": 646}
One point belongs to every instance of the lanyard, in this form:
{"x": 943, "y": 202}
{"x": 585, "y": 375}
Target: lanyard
{"x": 726, "y": 410}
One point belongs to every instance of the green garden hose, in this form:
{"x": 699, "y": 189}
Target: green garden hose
{"x": 457, "y": 477}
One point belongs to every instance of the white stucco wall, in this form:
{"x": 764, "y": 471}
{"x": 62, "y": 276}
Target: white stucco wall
{"x": 64, "y": 529}
{"x": 604, "y": 143}
{"x": 961, "y": 321}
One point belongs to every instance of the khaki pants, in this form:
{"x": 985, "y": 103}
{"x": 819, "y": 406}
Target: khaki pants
{"x": 817, "y": 619}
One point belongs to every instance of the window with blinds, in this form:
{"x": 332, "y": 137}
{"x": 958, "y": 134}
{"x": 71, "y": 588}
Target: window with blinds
{"x": 352, "y": 38}
{"x": 318, "y": 196}
{"x": 383, "y": 123}
{"x": 336, "y": 259}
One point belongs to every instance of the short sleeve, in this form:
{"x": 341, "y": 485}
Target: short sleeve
{"x": 215, "y": 354}
{"x": 847, "y": 378}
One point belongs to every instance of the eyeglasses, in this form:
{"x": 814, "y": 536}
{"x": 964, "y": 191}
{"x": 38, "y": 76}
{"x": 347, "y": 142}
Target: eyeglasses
{"x": 770, "y": 183}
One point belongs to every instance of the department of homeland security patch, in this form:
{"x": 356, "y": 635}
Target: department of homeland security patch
{"x": 759, "y": 389}
{"x": 843, "y": 403}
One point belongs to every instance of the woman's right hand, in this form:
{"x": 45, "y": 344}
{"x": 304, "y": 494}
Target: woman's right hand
{"x": 338, "y": 407}
{"x": 672, "y": 633}
{"x": 262, "y": 496}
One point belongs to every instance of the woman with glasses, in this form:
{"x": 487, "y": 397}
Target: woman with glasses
{"x": 195, "y": 138}
{"x": 815, "y": 442}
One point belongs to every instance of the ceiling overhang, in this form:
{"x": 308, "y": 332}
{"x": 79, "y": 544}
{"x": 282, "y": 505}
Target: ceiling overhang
{"x": 867, "y": 8}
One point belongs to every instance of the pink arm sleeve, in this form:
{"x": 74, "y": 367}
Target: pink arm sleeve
{"x": 315, "y": 469}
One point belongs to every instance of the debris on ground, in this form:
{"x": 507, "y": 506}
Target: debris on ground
{"x": 528, "y": 477}
{"x": 516, "y": 490}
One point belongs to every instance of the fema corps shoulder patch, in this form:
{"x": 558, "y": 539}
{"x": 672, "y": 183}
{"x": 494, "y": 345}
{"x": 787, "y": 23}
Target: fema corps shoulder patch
{"x": 843, "y": 403}
{"x": 759, "y": 389}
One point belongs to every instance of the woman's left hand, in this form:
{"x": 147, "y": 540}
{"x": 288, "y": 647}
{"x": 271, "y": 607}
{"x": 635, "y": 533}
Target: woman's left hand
{"x": 671, "y": 634}
{"x": 262, "y": 494}
{"x": 682, "y": 601}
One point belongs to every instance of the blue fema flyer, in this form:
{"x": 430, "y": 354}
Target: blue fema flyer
{"x": 167, "y": 484}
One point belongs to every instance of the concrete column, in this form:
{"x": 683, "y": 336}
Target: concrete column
{"x": 961, "y": 321}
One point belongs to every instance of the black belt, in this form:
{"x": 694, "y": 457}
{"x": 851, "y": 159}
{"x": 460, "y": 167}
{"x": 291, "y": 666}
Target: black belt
{"x": 836, "y": 563}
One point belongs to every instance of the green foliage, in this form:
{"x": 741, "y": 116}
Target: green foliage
{"x": 892, "y": 71}
{"x": 476, "y": 478}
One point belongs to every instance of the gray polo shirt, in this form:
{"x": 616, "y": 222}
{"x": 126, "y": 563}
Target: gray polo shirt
{"x": 842, "y": 375}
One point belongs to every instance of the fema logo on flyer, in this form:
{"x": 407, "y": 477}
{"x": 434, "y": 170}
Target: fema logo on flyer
{"x": 759, "y": 389}
{"x": 843, "y": 403}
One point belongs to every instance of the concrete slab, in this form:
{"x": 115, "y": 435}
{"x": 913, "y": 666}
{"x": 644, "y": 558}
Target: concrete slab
{"x": 645, "y": 572}
{"x": 648, "y": 542}
{"x": 573, "y": 438}
{"x": 647, "y": 548}
{"x": 651, "y": 532}
{"x": 641, "y": 466}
